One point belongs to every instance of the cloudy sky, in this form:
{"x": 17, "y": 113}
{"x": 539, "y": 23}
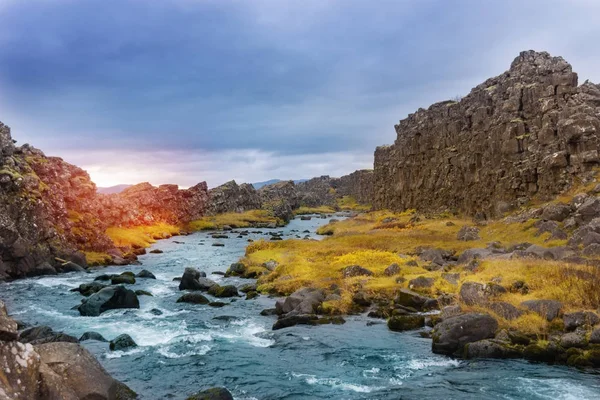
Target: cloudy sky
{"x": 179, "y": 91}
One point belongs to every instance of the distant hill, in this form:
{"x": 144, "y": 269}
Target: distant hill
{"x": 113, "y": 189}
{"x": 258, "y": 185}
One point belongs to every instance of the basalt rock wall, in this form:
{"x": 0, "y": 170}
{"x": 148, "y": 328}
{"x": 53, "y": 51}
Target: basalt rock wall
{"x": 528, "y": 132}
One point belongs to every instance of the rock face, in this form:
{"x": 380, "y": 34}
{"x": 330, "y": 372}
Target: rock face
{"x": 530, "y": 131}
{"x": 58, "y": 370}
{"x": 452, "y": 334}
{"x": 50, "y": 208}
{"x": 231, "y": 197}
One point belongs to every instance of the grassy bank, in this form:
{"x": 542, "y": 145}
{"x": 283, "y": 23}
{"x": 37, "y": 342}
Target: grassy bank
{"x": 379, "y": 239}
{"x": 235, "y": 220}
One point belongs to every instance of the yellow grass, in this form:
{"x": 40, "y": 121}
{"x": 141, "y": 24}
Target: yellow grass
{"x": 377, "y": 239}
{"x": 235, "y": 220}
{"x": 349, "y": 203}
{"x": 141, "y": 236}
{"x": 94, "y": 258}
{"x": 314, "y": 210}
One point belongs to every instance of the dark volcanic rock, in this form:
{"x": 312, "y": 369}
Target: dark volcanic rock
{"x": 355, "y": 270}
{"x": 217, "y": 393}
{"x": 548, "y": 309}
{"x": 532, "y": 126}
{"x": 122, "y": 342}
{"x": 190, "y": 280}
{"x": 44, "y": 334}
{"x": 231, "y": 197}
{"x": 391, "y": 270}
{"x": 574, "y": 320}
{"x": 109, "y": 298}
{"x": 223, "y": 291}
{"x": 302, "y": 301}
{"x": 194, "y": 298}
{"x": 452, "y": 334}
{"x": 298, "y": 319}
{"x": 145, "y": 274}
{"x": 401, "y": 323}
{"x": 92, "y": 336}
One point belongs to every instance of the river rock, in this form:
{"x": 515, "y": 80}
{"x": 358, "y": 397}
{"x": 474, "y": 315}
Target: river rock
{"x": 577, "y": 339}
{"x": 452, "y": 334}
{"x": 42, "y": 270}
{"x": 92, "y": 336}
{"x": 194, "y": 298}
{"x": 190, "y": 280}
{"x": 145, "y": 274}
{"x": 408, "y": 298}
{"x": 489, "y": 348}
{"x": 248, "y": 287}
{"x": 236, "y": 269}
{"x": 223, "y": 291}
{"x": 88, "y": 289}
{"x": 217, "y": 393}
{"x": 122, "y": 342}
{"x": 124, "y": 278}
{"x": 297, "y": 319}
{"x": 156, "y": 251}
{"x": 505, "y": 310}
{"x": 44, "y": 334}
{"x": 401, "y": 323}
{"x": 302, "y": 301}
{"x": 109, "y": 298}
{"x": 70, "y": 266}
{"x": 81, "y": 373}
{"x": 548, "y": 309}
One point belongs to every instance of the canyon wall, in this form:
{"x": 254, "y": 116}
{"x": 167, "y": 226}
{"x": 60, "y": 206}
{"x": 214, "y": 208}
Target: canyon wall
{"x": 528, "y": 132}
{"x": 50, "y": 209}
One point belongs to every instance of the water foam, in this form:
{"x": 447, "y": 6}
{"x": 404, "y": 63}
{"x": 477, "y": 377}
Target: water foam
{"x": 168, "y": 353}
{"x": 557, "y": 389}
{"x": 336, "y": 383}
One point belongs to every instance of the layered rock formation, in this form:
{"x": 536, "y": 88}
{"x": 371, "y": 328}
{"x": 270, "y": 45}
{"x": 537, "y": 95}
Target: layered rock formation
{"x": 528, "y": 132}
{"x": 50, "y": 209}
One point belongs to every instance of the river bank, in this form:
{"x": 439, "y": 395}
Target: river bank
{"x": 189, "y": 347}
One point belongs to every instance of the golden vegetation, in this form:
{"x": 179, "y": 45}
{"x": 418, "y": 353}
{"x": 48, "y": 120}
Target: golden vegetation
{"x": 94, "y": 258}
{"x": 234, "y": 220}
{"x": 141, "y": 236}
{"x": 314, "y": 210}
{"x": 349, "y": 203}
{"x": 377, "y": 239}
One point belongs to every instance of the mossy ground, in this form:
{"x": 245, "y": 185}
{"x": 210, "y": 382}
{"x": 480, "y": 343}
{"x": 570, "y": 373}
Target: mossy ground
{"x": 349, "y": 203}
{"x": 376, "y": 240}
{"x": 141, "y": 236}
{"x": 234, "y": 220}
{"x": 314, "y": 210}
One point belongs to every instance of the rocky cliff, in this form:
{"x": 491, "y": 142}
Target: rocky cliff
{"x": 531, "y": 131}
{"x": 50, "y": 209}
{"x": 231, "y": 197}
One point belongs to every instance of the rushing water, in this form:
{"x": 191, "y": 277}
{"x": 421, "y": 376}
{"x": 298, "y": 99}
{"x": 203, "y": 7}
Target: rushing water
{"x": 191, "y": 347}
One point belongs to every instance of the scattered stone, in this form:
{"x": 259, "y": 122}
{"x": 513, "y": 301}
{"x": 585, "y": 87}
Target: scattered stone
{"x": 217, "y": 304}
{"x": 88, "y": 289}
{"x": 556, "y": 212}
{"x": 303, "y": 301}
{"x": 421, "y": 282}
{"x": 44, "y": 334}
{"x": 401, "y": 323}
{"x": 451, "y": 278}
{"x": 575, "y": 320}
{"x": 191, "y": 280}
{"x": 298, "y": 319}
{"x": 156, "y": 251}
{"x": 236, "y": 269}
{"x": 575, "y": 339}
{"x": 252, "y": 295}
{"x": 409, "y": 298}
{"x": 452, "y": 334}
{"x": 505, "y": 310}
{"x": 355, "y": 270}
{"x": 248, "y": 287}
{"x": 271, "y": 311}
{"x": 218, "y": 245}
{"x": 549, "y": 309}
{"x": 468, "y": 233}
{"x": 124, "y": 278}
{"x": 490, "y": 348}
{"x": 391, "y": 270}
{"x": 122, "y": 342}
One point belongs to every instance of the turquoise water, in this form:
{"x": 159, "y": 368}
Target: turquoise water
{"x": 191, "y": 347}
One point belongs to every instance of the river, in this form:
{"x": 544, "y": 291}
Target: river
{"x": 191, "y": 347}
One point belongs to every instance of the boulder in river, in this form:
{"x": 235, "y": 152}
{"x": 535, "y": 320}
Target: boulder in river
{"x": 156, "y": 251}
{"x": 190, "y": 279}
{"x": 223, "y": 291}
{"x": 109, "y": 298}
{"x": 42, "y": 270}
{"x": 122, "y": 342}
{"x": 145, "y": 274}
{"x": 92, "y": 336}
{"x": 298, "y": 319}
{"x": 452, "y": 334}
{"x": 88, "y": 289}
{"x": 70, "y": 266}
{"x": 217, "y": 393}
{"x": 236, "y": 269}
{"x": 193, "y": 298}
{"x": 124, "y": 278}
{"x": 401, "y": 323}
{"x": 302, "y": 301}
